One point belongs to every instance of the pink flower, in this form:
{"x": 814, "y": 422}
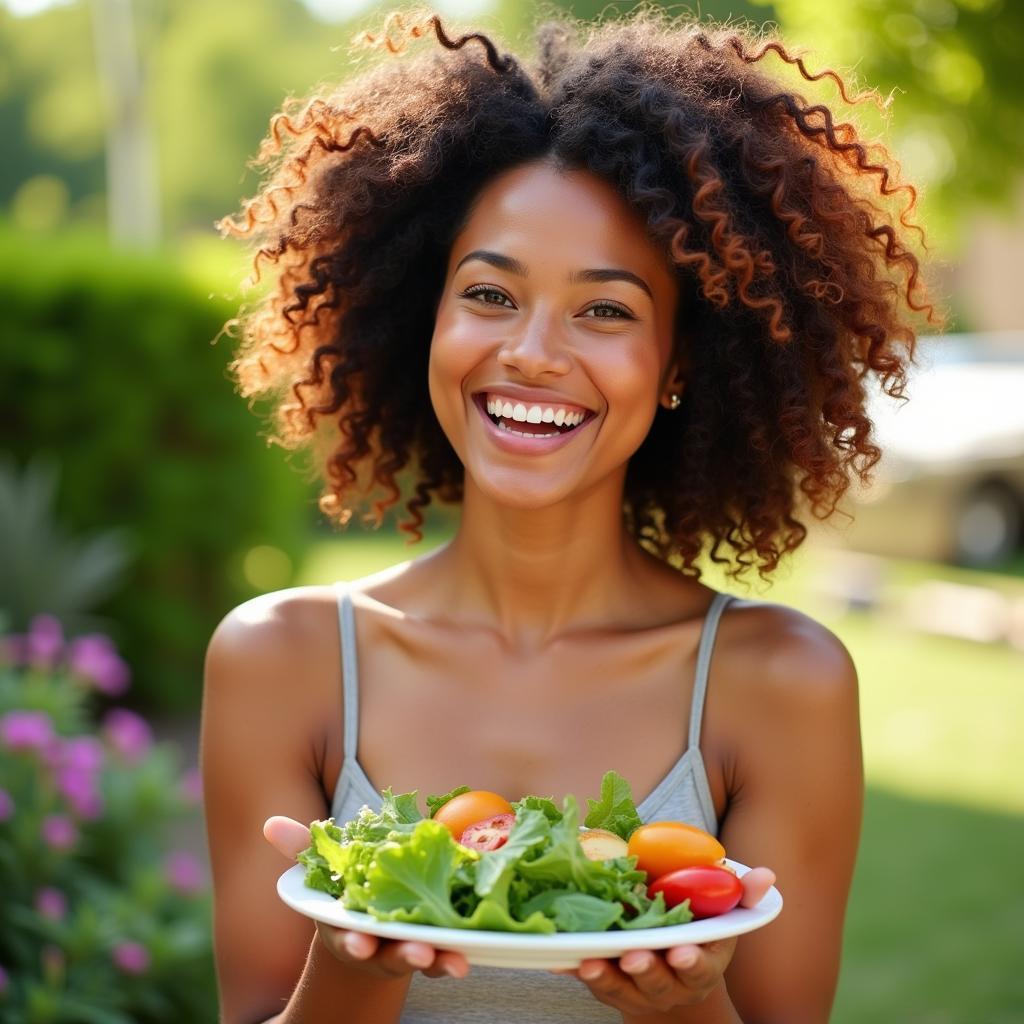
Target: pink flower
{"x": 79, "y": 789}
{"x": 190, "y": 786}
{"x": 95, "y": 658}
{"x": 184, "y": 872}
{"x": 131, "y": 957}
{"x": 6, "y": 805}
{"x": 59, "y": 831}
{"x": 128, "y": 733}
{"x": 26, "y": 730}
{"x": 51, "y": 903}
{"x": 76, "y": 763}
{"x": 44, "y": 643}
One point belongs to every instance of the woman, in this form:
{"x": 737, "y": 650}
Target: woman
{"x": 621, "y": 307}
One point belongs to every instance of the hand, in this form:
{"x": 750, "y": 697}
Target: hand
{"x": 382, "y": 957}
{"x": 645, "y": 981}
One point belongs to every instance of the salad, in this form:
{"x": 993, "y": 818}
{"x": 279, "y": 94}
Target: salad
{"x": 526, "y": 866}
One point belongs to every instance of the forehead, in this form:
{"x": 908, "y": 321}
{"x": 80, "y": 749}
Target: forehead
{"x": 554, "y": 220}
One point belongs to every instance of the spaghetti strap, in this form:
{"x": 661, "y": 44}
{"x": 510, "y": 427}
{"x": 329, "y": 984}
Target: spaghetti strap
{"x": 349, "y": 671}
{"x": 700, "y": 679}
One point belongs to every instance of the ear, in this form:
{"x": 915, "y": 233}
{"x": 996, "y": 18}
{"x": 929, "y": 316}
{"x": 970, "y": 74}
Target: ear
{"x": 675, "y": 384}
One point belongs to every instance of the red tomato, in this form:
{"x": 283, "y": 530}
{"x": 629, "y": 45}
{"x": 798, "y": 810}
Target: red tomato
{"x": 711, "y": 890}
{"x": 664, "y": 846}
{"x": 462, "y": 811}
{"x": 490, "y": 833}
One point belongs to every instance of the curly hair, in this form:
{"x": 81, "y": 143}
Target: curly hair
{"x": 787, "y": 233}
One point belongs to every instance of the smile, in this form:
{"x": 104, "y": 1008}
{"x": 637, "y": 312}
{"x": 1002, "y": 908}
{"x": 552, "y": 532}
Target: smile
{"x": 519, "y": 426}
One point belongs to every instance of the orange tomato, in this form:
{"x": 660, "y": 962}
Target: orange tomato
{"x": 468, "y": 808}
{"x": 665, "y": 846}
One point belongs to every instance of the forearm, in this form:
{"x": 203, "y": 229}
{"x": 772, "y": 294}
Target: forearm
{"x": 716, "y": 1009}
{"x": 328, "y": 992}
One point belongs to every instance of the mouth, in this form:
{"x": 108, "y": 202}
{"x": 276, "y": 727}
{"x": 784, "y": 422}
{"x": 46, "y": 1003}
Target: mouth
{"x": 534, "y": 420}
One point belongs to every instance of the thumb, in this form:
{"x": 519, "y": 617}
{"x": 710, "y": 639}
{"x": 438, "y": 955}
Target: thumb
{"x": 286, "y": 835}
{"x": 756, "y": 883}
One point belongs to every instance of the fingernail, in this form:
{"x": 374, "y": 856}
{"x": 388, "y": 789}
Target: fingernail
{"x": 591, "y": 972}
{"x": 353, "y": 946}
{"x": 420, "y": 959}
{"x": 685, "y": 960}
{"x": 452, "y": 971}
{"x": 637, "y": 965}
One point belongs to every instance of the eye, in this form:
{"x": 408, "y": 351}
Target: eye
{"x": 483, "y": 289}
{"x": 620, "y": 311}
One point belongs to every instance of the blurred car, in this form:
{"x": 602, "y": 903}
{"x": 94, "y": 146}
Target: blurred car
{"x": 950, "y": 486}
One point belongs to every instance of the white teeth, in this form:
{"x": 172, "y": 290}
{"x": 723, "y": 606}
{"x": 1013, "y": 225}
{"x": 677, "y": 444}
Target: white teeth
{"x": 522, "y": 413}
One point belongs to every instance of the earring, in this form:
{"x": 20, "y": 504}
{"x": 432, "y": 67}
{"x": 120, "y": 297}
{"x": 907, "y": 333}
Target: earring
{"x": 674, "y": 401}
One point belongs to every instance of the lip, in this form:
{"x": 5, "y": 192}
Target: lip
{"x": 517, "y": 445}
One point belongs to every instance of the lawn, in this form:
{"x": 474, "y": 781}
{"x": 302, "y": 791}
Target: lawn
{"x": 933, "y": 933}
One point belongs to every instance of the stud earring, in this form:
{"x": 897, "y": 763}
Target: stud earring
{"x": 674, "y": 401}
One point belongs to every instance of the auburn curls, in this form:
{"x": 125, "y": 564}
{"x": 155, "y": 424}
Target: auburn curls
{"x": 789, "y": 235}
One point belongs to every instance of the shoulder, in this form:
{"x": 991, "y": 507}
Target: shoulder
{"x": 780, "y": 657}
{"x": 274, "y": 632}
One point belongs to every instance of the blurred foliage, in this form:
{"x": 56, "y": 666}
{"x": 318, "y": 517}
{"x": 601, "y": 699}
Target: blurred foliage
{"x": 215, "y": 73}
{"x": 953, "y": 71}
{"x": 108, "y": 369}
{"x": 42, "y": 569}
{"x": 103, "y": 923}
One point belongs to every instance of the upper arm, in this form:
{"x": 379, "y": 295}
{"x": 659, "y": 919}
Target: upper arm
{"x": 796, "y": 808}
{"x": 257, "y": 758}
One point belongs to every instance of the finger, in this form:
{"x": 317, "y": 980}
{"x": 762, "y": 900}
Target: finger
{"x": 348, "y": 947}
{"x": 699, "y": 968}
{"x": 611, "y": 986}
{"x": 448, "y": 964}
{"x": 390, "y": 959}
{"x": 756, "y": 883}
{"x": 654, "y": 979}
{"x": 286, "y": 835}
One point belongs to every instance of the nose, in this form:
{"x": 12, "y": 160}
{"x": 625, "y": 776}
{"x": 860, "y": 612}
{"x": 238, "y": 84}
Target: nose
{"x": 537, "y": 349}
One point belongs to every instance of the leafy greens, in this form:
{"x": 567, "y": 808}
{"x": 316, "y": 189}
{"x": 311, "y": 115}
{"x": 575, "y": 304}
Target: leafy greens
{"x": 398, "y": 865}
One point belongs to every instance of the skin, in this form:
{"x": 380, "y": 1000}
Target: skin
{"x": 605, "y": 645}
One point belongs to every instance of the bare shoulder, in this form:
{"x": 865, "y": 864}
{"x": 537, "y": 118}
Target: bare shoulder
{"x": 778, "y": 657}
{"x": 286, "y": 628}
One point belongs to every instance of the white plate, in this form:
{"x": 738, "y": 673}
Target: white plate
{"x": 538, "y": 952}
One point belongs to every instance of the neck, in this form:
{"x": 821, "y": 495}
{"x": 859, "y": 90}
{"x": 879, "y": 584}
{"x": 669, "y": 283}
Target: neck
{"x": 535, "y": 574}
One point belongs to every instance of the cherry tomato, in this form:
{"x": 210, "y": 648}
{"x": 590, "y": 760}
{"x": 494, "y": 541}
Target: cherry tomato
{"x": 711, "y": 890}
{"x": 664, "y": 846}
{"x": 467, "y": 809}
{"x": 490, "y": 833}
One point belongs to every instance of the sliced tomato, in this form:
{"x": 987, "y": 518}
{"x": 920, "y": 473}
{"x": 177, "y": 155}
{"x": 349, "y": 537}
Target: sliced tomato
{"x": 489, "y": 834}
{"x": 711, "y": 890}
{"x": 468, "y": 808}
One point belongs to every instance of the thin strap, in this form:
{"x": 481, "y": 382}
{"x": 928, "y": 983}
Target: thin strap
{"x": 349, "y": 669}
{"x": 700, "y": 679}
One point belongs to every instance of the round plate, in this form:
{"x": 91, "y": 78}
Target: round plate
{"x": 538, "y": 952}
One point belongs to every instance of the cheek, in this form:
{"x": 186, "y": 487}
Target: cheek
{"x": 453, "y": 356}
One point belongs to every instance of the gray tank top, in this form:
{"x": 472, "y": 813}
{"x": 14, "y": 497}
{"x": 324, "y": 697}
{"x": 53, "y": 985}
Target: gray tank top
{"x": 528, "y": 997}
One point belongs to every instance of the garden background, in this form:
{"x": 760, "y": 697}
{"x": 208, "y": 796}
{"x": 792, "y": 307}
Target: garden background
{"x": 140, "y": 500}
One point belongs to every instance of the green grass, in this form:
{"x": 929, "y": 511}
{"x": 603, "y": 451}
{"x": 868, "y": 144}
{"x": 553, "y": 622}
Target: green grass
{"x": 934, "y": 928}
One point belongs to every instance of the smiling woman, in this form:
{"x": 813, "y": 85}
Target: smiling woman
{"x": 620, "y": 302}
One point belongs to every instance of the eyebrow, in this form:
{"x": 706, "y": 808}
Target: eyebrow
{"x": 597, "y": 276}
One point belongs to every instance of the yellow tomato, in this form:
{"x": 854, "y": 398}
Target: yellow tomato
{"x": 468, "y": 808}
{"x": 665, "y": 846}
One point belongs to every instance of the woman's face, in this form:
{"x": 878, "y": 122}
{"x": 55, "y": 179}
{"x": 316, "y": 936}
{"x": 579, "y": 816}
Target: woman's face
{"x": 556, "y": 309}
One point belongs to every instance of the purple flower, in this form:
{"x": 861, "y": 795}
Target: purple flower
{"x": 95, "y": 658}
{"x": 59, "y": 831}
{"x": 26, "y": 730}
{"x": 79, "y": 789}
{"x": 131, "y": 957}
{"x": 51, "y": 903}
{"x": 76, "y": 763}
{"x": 184, "y": 872}
{"x": 44, "y": 643}
{"x": 5, "y": 980}
{"x": 6, "y": 805}
{"x": 128, "y": 733}
{"x": 190, "y": 786}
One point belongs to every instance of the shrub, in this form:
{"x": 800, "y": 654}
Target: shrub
{"x": 103, "y": 923}
{"x": 107, "y": 368}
